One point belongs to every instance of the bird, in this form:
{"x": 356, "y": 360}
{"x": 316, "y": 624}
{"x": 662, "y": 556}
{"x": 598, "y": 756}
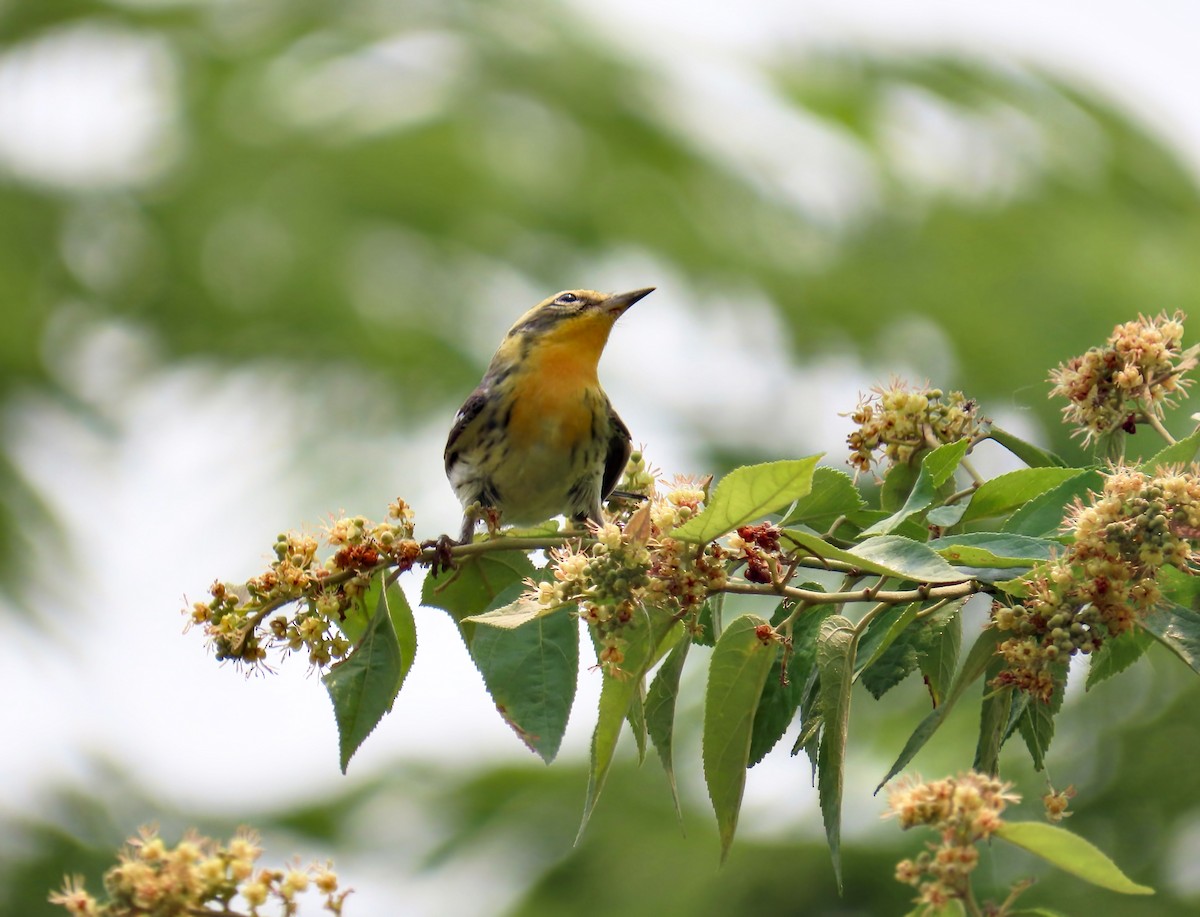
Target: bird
{"x": 538, "y": 437}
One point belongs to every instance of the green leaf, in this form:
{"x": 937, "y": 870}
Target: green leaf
{"x": 994, "y": 549}
{"x": 358, "y": 619}
{"x": 939, "y": 661}
{"x": 747, "y": 494}
{"x": 1178, "y": 629}
{"x": 881, "y": 633}
{"x": 1037, "y": 912}
{"x": 660, "y": 713}
{"x": 1036, "y": 723}
{"x": 833, "y": 494}
{"x": 530, "y": 673}
{"x": 736, "y": 676}
{"x": 897, "y": 485}
{"x": 643, "y": 635}
{"x": 937, "y": 466}
{"x": 775, "y": 710}
{"x": 994, "y": 721}
{"x": 903, "y": 649}
{"x": 1007, "y": 492}
{"x": 364, "y": 685}
{"x": 521, "y": 610}
{"x": 835, "y": 662}
{"x": 472, "y": 586}
{"x": 1070, "y": 853}
{"x": 1031, "y": 455}
{"x": 946, "y": 516}
{"x": 1181, "y": 453}
{"x": 973, "y": 667}
{"x": 1116, "y": 654}
{"x": 891, "y": 555}
{"x": 1043, "y": 515}
{"x": 786, "y": 681}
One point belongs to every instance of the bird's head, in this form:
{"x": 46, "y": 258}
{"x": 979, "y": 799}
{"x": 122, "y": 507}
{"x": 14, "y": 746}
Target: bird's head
{"x": 579, "y": 320}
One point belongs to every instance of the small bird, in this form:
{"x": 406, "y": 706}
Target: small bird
{"x": 538, "y": 437}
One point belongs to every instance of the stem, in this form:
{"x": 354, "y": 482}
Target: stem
{"x": 1151, "y": 418}
{"x": 812, "y": 597}
{"x": 861, "y": 627}
{"x": 965, "y": 492}
{"x": 970, "y": 469}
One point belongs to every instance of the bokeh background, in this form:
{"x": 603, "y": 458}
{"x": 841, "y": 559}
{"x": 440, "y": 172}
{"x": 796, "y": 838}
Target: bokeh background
{"x": 253, "y": 253}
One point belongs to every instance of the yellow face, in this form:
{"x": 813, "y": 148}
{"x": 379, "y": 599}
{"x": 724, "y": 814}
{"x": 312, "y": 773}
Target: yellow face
{"x": 575, "y": 322}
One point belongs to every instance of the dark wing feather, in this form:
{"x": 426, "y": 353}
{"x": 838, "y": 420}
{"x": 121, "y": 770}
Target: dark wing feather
{"x": 619, "y": 447}
{"x": 467, "y": 413}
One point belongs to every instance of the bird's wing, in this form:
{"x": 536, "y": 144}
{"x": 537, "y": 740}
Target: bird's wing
{"x": 619, "y": 447}
{"x": 467, "y": 413}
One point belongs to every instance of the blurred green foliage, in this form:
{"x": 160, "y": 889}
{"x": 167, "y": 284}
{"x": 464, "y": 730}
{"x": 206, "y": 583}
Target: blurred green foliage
{"x": 350, "y": 185}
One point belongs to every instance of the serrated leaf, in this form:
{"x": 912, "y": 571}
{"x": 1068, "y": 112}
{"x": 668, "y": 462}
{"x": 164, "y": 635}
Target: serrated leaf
{"x": 364, "y": 685}
{"x": 747, "y": 494}
{"x": 995, "y": 557}
{"x": 1116, "y": 654}
{"x": 835, "y": 662}
{"x": 891, "y": 555}
{"x": 898, "y": 483}
{"x": 1070, "y": 853}
{"x": 995, "y": 720}
{"x": 643, "y": 636}
{"x": 472, "y": 586}
{"x": 521, "y": 610}
{"x": 1007, "y": 492}
{"x": 995, "y": 550}
{"x": 1036, "y": 723}
{"x": 736, "y": 676}
{"x": 972, "y": 668}
{"x": 357, "y": 619}
{"x": 1043, "y": 515}
{"x": 1178, "y": 629}
{"x": 660, "y": 713}
{"x": 940, "y": 660}
{"x": 833, "y": 494}
{"x": 946, "y": 516}
{"x": 786, "y": 681}
{"x": 901, "y": 653}
{"x": 878, "y": 639}
{"x": 1180, "y": 453}
{"x": 1031, "y": 455}
{"x": 937, "y": 466}
{"x": 531, "y": 673}
{"x": 774, "y": 716}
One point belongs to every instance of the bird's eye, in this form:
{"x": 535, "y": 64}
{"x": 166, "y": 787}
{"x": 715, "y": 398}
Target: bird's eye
{"x": 567, "y": 298}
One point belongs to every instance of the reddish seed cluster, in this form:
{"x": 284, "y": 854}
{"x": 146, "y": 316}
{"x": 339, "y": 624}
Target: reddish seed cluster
{"x": 759, "y": 547}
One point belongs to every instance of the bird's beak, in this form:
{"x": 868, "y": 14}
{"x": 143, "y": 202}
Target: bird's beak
{"x": 619, "y": 302}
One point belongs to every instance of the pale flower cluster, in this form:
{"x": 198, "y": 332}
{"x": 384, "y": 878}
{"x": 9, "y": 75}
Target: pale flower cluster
{"x": 152, "y": 879}
{"x": 634, "y": 565}
{"x": 1106, "y": 579}
{"x": 964, "y": 810}
{"x": 901, "y": 422}
{"x": 233, "y": 618}
{"x": 1129, "y": 380}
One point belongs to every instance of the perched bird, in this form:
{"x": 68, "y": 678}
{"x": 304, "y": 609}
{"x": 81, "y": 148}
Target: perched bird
{"x": 538, "y": 436}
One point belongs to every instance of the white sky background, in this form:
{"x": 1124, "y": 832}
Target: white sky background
{"x": 158, "y": 511}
